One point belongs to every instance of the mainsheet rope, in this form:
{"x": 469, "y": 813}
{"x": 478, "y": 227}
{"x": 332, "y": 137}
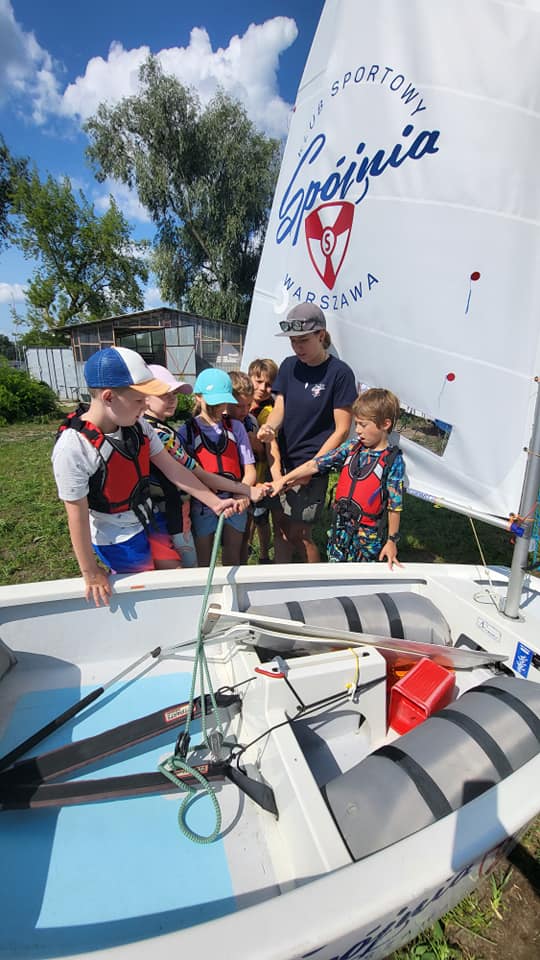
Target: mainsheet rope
{"x": 177, "y": 760}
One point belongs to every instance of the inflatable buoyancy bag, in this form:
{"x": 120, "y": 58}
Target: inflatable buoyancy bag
{"x": 451, "y": 758}
{"x": 400, "y": 615}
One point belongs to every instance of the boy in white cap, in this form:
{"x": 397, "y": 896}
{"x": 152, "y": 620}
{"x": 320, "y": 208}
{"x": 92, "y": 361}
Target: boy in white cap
{"x": 101, "y": 463}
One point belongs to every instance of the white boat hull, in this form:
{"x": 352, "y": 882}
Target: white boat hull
{"x": 296, "y": 891}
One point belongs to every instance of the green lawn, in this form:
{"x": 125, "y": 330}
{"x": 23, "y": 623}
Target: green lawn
{"x": 35, "y": 543}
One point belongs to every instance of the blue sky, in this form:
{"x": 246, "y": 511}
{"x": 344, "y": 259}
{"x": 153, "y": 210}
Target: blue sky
{"x": 59, "y": 60}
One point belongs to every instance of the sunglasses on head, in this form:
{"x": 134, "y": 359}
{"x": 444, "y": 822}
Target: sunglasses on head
{"x": 299, "y": 326}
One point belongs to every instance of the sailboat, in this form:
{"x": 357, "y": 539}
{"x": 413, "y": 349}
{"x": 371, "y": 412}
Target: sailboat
{"x": 341, "y": 804}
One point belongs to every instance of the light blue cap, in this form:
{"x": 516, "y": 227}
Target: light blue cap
{"x": 214, "y": 386}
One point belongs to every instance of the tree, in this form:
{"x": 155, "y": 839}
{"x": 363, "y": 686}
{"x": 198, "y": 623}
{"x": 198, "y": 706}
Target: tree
{"x": 11, "y": 170}
{"x": 88, "y": 266}
{"x": 205, "y": 175}
{"x": 7, "y": 348}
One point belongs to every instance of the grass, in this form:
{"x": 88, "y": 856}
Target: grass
{"x": 35, "y": 543}
{"x": 35, "y": 546}
{"x": 34, "y": 539}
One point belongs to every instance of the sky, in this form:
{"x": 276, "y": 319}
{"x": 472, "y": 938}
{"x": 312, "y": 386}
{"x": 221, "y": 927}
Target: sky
{"x": 59, "y": 60}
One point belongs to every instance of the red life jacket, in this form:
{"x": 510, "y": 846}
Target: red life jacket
{"x": 121, "y": 481}
{"x": 361, "y": 492}
{"x": 220, "y": 456}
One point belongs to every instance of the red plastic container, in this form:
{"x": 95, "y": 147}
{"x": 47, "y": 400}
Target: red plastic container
{"x": 423, "y": 690}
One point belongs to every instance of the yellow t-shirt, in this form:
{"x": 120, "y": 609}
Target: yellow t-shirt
{"x": 262, "y": 465}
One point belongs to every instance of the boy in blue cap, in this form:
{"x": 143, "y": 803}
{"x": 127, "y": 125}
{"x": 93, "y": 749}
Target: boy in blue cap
{"x": 101, "y": 463}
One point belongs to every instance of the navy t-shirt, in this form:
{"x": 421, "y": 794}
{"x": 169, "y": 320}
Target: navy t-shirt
{"x": 311, "y": 394}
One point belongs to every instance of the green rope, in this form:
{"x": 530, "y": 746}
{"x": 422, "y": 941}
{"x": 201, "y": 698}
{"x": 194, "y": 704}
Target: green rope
{"x": 200, "y": 667}
{"x": 167, "y": 769}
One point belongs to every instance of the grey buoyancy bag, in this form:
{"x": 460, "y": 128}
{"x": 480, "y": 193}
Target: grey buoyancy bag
{"x": 400, "y": 615}
{"x": 451, "y": 758}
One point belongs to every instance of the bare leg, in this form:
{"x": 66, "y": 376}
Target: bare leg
{"x": 263, "y": 529}
{"x": 283, "y": 546}
{"x": 301, "y": 537}
{"x": 203, "y": 546}
{"x": 232, "y": 546}
{"x": 246, "y": 539}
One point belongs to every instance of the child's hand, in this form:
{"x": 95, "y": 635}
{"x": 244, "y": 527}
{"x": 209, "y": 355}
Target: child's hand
{"x": 266, "y": 434}
{"x": 259, "y": 491}
{"x": 98, "y": 587}
{"x": 277, "y": 486}
{"x": 226, "y": 506}
{"x": 389, "y": 553}
{"x": 231, "y": 505}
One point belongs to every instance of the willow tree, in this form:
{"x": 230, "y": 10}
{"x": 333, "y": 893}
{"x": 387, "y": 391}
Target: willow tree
{"x": 206, "y": 176}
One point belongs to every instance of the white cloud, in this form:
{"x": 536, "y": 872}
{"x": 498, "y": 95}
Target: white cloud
{"x": 152, "y": 298}
{"x": 126, "y": 199}
{"x": 12, "y": 293}
{"x": 246, "y": 69}
{"x": 25, "y": 67}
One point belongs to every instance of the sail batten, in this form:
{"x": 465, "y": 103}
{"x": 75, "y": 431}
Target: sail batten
{"x": 408, "y": 208}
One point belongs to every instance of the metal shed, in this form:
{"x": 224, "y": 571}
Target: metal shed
{"x": 183, "y": 342}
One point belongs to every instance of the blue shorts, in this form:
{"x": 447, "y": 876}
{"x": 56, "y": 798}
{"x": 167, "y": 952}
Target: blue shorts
{"x": 140, "y": 552}
{"x": 130, "y": 556}
{"x": 204, "y": 522}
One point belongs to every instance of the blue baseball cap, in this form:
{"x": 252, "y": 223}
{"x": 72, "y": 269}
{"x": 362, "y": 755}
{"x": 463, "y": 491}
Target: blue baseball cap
{"x": 214, "y": 386}
{"x": 120, "y": 367}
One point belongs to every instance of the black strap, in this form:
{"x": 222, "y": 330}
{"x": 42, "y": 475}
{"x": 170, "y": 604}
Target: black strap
{"x": 430, "y": 791}
{"x": 295, "y": 611}
{"x": 480, "y": 736}
{"x": 353, "y": 617}
{"x": 395, "y": 623}
{"x": 527, "y": 715}
{"x": 24, "y": 796}
{"x": 79, "y": 754}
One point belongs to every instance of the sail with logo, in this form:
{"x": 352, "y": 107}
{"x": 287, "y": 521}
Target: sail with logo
{"x": 346, "y": 719}
{"x": 408, "y": 207}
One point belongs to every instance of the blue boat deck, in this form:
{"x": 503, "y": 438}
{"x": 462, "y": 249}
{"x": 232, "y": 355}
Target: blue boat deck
{"x": 96, "y": 875}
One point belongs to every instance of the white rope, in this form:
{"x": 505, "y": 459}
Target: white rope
{"x": 491, "y": 594}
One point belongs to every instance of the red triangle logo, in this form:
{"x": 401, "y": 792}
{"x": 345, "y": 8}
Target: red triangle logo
{"x": 328, "y": 231}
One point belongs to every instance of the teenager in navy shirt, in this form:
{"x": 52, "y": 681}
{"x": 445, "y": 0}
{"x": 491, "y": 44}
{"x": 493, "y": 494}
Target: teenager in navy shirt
{"x": 313, "y": 414}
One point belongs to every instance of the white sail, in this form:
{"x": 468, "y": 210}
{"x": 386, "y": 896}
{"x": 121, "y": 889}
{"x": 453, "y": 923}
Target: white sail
{"x": 408, "y": 208}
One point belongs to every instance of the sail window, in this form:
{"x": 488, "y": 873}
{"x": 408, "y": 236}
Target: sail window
{"x": 428, "y": 432}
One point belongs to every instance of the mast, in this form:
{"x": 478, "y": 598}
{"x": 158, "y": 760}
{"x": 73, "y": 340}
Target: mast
{"x": 529, "y": 496}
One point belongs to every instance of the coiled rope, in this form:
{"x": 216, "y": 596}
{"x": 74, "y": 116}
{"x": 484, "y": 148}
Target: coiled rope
{"x": 178, "y": 760}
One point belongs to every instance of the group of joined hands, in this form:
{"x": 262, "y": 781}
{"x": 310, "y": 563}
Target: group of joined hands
{"x": 271, "y": 488}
